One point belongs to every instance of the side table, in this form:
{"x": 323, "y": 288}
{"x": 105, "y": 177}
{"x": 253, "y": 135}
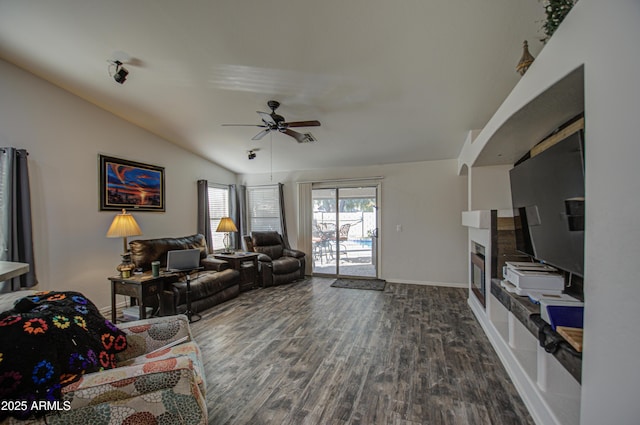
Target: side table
{"x": 247, "y": 264}
{"x": 138, "y": 287}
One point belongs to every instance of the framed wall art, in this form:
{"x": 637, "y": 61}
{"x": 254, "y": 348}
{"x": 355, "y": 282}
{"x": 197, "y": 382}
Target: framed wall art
{"x": 131, "y": 185}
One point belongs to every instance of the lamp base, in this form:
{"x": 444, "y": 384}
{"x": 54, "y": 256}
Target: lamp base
{"x": 126, "y": 266}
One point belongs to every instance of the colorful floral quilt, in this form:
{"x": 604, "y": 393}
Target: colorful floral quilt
{"x": 49, "y": 340}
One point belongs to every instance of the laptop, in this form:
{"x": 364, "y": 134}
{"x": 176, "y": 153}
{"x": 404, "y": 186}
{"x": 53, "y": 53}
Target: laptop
{"x": 183, "y": 260}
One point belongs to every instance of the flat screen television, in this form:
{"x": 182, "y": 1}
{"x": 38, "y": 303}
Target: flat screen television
{"x": 547, "y": 192}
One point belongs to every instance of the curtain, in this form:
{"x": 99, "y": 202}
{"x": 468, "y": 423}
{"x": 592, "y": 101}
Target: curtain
{"x": 305, "y": 219}
{"x": 16, "y": 238}
{"x": 237, "y": 212}
{"x": 204, "y": 221}
{"x": 283, "y": 221}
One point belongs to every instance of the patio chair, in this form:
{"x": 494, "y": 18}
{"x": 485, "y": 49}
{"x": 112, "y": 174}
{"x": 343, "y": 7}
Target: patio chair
{"x": 343, "y": 236}
{"x": 343, "y": 232}
{"x": 321, "y": 243}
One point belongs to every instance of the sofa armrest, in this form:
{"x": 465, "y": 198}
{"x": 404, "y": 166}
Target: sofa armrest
{"x": 292, "y": 253}
{"x": 145, "y": 336}
{"x": 211, "y": 263}
{"x": 264, "y": 258}
{"x": 131, "y": 381}
{"x": 13, "y": 421}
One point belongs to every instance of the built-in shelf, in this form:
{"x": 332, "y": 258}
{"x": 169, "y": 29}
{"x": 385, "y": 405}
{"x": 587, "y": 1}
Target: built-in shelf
{"x": 528, "y": 314}
{"x": 549, "y": 383}
{"x": 545, "y": 383}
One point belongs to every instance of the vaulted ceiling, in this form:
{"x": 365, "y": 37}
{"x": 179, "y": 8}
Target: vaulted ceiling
{"x": 390, "y": 81}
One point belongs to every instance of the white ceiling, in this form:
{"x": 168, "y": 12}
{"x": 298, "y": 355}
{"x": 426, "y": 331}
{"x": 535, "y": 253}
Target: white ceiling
{"x": 390, "y": 81}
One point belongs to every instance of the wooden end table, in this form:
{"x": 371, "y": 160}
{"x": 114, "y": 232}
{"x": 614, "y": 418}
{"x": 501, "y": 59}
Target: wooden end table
{"x": 248, "y": 272}
{"x": 138, "y": 287}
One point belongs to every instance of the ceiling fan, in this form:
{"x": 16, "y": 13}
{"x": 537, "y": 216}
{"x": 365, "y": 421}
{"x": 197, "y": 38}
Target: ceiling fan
{"x": 275, "y": 122}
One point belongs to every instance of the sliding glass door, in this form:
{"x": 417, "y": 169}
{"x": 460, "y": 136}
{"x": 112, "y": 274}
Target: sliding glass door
{"x": 344, "y": 231}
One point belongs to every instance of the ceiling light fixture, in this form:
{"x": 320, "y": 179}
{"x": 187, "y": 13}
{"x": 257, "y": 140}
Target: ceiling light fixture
{"x": 251, "y": 154}
{"x": 120, "y": 75}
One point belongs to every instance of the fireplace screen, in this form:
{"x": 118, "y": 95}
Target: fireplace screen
{"x": 478, "y": 285}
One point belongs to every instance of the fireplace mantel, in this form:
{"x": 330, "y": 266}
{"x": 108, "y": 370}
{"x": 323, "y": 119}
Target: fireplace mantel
{"x": 478, "y": 219}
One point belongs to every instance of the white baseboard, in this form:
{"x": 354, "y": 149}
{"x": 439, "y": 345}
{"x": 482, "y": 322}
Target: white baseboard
{"x": 427, "y": 283}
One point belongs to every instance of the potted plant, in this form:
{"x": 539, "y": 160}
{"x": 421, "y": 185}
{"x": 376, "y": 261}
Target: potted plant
{"x": 556, "y": 11}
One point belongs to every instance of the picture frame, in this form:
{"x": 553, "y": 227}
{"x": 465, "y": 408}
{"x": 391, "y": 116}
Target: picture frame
{"x": 130, "y": 185}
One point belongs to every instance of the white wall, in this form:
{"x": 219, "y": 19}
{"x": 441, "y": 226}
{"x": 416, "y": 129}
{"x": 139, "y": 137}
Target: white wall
{"x": 426, "y": 198}
{"x": 64, "y": 135}
{"x": 490, "y": 188}
{"x": 611, "y": 381}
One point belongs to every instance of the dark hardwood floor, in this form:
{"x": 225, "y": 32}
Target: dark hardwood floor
{"x": 308, "y": 353}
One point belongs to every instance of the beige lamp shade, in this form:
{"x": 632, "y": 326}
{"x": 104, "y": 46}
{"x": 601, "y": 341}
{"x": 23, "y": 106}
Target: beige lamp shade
{"x": 226, "y": 225}
{"x": 124, "y": 225}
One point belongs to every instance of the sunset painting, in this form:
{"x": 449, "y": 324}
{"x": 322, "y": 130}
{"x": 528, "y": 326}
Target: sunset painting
{"x": 131, "y": 185}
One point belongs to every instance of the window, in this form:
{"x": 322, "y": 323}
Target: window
{"x": 218, "y": 208}
{"x": 263, "y": 208}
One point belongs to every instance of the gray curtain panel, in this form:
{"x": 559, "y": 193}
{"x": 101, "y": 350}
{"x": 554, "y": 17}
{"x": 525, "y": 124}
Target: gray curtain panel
{"x": 16, "y": 238}
{"x": 238, "y": 212}
{"x": 283, "y": 221}
{"x": 204, "y": 221}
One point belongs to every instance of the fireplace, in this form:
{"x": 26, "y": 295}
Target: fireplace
{"x": 478, "y": 282}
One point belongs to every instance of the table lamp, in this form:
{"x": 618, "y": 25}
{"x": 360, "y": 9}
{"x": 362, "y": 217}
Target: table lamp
{"x": 226, "y": 225}
{"x": 124, "y": 225}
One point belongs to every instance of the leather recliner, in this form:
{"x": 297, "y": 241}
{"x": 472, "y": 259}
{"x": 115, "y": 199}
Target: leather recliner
{"x": 278, "y": 264}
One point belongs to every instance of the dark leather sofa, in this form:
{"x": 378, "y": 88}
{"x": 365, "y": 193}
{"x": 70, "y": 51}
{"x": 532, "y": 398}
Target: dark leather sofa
{"x": 215, "y": 284}
{"x": 278, "y": 264}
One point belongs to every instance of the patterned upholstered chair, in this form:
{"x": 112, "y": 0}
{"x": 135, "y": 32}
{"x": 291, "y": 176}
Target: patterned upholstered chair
{"x": 158, "y": 378}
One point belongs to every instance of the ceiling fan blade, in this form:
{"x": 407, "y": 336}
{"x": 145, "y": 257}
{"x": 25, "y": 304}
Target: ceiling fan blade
{"x": 244, "y": 125}
{"x": 300, "y": 138}
{"x": 261, "y": 134}
{"x": 313, "y": 123}
{"x": 267, "y": 118}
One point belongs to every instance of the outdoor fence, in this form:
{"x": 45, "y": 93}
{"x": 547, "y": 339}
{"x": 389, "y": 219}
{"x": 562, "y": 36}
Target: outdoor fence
{"x": 363, "y": 224}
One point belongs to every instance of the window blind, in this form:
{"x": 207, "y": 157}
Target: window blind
{"x": 263, "y": 208}
{"x": 218, "y": 208}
